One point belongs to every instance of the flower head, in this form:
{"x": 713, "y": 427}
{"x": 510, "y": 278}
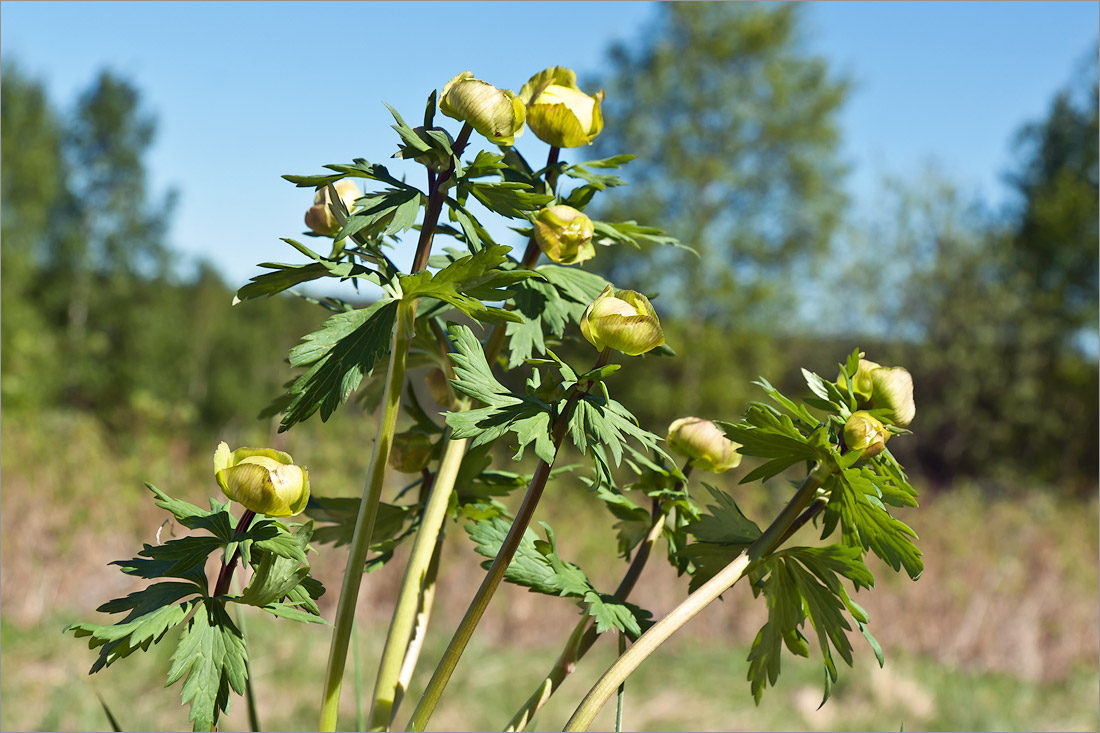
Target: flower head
{"x": 263, "y": 480}
{"x": 893, "y": 391}
{"x": 565, "y": 235}
{"x": 495, "y": 113}
{"x": 622, "y": 320}
{"x": 888, "y": 390}
{"x": 704, "y": 444}
{"x": 864, "y": 432}
{"x": 558, "y": 112}
{"x": 319, "y": 218}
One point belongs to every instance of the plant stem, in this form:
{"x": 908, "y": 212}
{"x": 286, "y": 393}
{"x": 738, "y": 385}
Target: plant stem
{"x": 388, "y": 688}
{"x": 368, "y": 511}
{"x": 436, "y": 197}
{"x": 657, "y": 634}
{"x": 622, "y": 689}
{"x": 492, "y": 580}
{"x": 530, "y": 259}
{"x": 420, "y": 631}
{"x": 584, "y": 634}
{"x": 225, "y": 575}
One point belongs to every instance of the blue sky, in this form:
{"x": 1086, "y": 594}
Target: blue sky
{"x": 247, "y": 91}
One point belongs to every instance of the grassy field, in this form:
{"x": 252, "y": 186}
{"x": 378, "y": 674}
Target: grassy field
{"x": 1001, "y": 633}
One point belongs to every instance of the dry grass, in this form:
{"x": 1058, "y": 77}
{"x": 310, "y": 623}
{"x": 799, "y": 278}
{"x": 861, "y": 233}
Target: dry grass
{"x": 1010, "y": 587}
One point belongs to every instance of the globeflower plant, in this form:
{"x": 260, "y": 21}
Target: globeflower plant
{"x": 484, "y": 405}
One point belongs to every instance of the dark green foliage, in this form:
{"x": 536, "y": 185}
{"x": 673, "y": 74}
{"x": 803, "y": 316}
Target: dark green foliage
{"x": 803, "y": 583}
{"x": 537, "y": 566}
{"x": 211, "y": 651}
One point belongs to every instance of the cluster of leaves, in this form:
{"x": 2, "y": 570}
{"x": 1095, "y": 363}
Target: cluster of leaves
{"x": 538, "y": 566}
{"x": 803, "y": 583}
{"x": 211, "y": 650}
{"x": 596, "y": 424}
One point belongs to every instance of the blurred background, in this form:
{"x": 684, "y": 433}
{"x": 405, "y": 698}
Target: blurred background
{"x": 916, "y": 180}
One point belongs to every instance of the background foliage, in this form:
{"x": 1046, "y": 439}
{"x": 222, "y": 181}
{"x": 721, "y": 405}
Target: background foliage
{"x": 115, "y": 349}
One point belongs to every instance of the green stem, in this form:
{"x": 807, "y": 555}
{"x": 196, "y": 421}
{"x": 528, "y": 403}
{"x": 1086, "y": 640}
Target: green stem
{"x": 622, "y": 689}
{"x": 368, "y": 512}
{"x": 657, "y": 634}
{"x": 388, "y": 687}
{"x": 584, "y": 634}
{"x": 530, "y": 259}
{"x": 492, "y": 580}
{"x": 420, "y": 631}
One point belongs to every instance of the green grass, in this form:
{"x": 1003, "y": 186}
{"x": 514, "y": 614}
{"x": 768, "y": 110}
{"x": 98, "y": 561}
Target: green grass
{"x": 689, "y": 685}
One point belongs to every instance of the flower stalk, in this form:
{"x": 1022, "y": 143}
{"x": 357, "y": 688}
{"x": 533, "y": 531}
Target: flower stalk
{"x": 495, "y": 575}
{"x": 388, "y": 688}
{"x": 368, "y": 512}
{"x": 647, "y": 643}
{"x": 584, "y": 633}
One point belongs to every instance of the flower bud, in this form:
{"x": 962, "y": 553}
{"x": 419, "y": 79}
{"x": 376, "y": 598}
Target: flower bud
{"x": 861, "y": 381}
{"x": 319, "y": 218}
{"x": 622, "y": 320}
{"x": 893, "y": 391}
{"x": 864, "y": 432}
{"x": 558, "y": 112}
{"x": 262, "y": 480}
{"x": 702, "y": 442}
{"x": 411, "y": 451}
{"x": 497, "y": 114}
{"x": 565, "y": 235}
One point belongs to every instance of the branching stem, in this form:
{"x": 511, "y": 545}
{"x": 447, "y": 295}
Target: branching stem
{"x": 584, "y": 634}
{"x": 657, "y": 634}
{"x": 493, "y": 578}
{"x": 368, "y": 512}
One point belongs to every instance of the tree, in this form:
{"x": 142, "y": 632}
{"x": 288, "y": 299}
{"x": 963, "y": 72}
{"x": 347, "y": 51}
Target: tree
{"x": 1056, "y": 234}
{"x": 33, "y": 180}
{"x": 734, "y": 124}
{"x": 106, "y": 247}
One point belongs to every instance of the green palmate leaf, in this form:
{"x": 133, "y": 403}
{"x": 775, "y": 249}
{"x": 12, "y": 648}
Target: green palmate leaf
{"x": 610, "y": 613}
{"x": 472, "y": 232}
{"x": 360, "y": 168}
{"x": 152, "y": 613}
{"x": 484, "y": 164}
{"x": 346, "y": 348}
{"x": 391, "y": 526}
{"x": 724, "y": 523}
{"x": 602, "y": 423}
{"x": 721, "y": 535}
{"x": 211, "y": 653}
{"x": 633, "y": 521}
{"x": 509, "y": 199}
{"x": 183, "y": 558}
{"x": 407, "y": 133}
{"x": 283, "y": 278}
{"x": 804, "y": 583}
{"x": 525, "y": 415}
{"x": 529, "y": 568}
{"x": 799, "y": 412}
{"x": 547, "y": 306}
{"x": 865, "y": 523}
{"x": 277, "y": 573}
{"x": 390, "y": 211}
{"x": 630, "y": 232}
{"x": 181, "y": 510}
{"x": 467, "y": 282}
{"x": 538, "y": 567}
{"x": 891, "y": 481}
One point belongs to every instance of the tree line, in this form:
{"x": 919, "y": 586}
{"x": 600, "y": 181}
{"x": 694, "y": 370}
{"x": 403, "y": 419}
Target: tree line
{"x": 993, "y": 311}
